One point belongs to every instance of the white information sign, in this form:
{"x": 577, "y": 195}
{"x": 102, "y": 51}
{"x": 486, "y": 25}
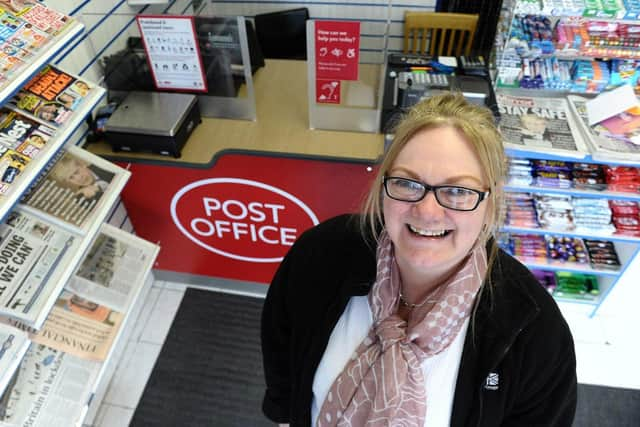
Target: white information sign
{"x": 173, "y": 52}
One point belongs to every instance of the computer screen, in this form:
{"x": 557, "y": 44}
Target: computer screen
{"x": 283, "y": 34}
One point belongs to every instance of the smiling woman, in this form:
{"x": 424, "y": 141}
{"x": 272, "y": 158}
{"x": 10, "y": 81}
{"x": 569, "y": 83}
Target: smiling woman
{"x": 410, "y": 311}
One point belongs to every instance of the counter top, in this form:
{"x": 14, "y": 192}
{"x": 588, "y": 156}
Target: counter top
{"x": 281, "y": 127}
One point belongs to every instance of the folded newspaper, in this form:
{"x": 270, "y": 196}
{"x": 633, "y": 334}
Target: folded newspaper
{"x": 604, "y": 145}
{"x": 73, "y": 186}
{"x": 14, "y": 345}
{"x": 539, "y": 124}
{"x": 31, "y": 253}
{"x": 51, "y": 388}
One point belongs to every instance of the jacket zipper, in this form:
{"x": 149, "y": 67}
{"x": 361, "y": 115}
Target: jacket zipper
{"x": 491, "y": 368}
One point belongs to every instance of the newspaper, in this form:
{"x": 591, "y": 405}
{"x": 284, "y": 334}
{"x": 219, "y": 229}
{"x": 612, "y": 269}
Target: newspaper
{"x": 14, "y": 345}
{"x": 604, "y": 146}
{"x": 51, "y": 389}
{"x": 31, "y": 251}
{"x": 112, "y": 268}
{"x": 51, "y": 97}
{"x": 539, "y": 124}
{"x": 73, "y": 186}
{"x": 80, "y": 327}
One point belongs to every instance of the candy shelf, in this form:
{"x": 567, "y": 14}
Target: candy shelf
{"x": 626, "y": 246}
{"x": 582, "y": 234}
{"x": 604, "y": 194}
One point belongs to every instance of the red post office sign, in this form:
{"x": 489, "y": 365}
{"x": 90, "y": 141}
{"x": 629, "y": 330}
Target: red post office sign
{"x": 238, "y": 217}
{"x": 337, "y": 50}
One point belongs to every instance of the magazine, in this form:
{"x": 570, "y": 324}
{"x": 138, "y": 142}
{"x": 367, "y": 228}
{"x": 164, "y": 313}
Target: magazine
{"x": 50, "y": 389}
{"x": 73, "y": 187}
{"x": 21, "y": 140}
{"x": 31, "y": 251}
{"x": 22, "y": 134}
{"x": 539, "y": 124}
{"x": 51, "y": 96}
{"x": 14, "y": 345}
{"x": 112, "y": 267}
{"x": 604, "y": 145}
{"x": 26, "y": 29}
{"x": 34, "y": 13}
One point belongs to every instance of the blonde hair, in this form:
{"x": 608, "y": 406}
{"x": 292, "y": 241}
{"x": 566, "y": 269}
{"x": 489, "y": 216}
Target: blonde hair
{"x": 477, "y": 125}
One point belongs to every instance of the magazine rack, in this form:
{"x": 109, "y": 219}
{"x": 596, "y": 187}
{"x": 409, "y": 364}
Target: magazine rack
{"x": 627, "y": 246}
{"x": 52, "y": 241}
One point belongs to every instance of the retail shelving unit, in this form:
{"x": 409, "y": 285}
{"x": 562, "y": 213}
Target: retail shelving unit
{"x": 15, "y": 203}
{"x": 626, "y": 246}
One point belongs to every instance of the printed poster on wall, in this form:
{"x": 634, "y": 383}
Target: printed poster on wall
{"x": 172, "y": 52}
{"x": 337, "y": 50}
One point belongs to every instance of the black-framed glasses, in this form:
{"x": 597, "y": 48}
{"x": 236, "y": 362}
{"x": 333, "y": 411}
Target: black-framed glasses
{"x": 448, "y": 196}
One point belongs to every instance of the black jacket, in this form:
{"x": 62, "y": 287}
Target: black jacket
{"x": 517, "y": 333}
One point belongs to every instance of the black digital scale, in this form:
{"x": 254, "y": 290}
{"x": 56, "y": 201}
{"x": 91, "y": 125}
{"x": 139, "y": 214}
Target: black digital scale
{"x": 153, "y": 121}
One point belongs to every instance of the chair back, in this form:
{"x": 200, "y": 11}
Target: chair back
{"x": 439, "y": 33}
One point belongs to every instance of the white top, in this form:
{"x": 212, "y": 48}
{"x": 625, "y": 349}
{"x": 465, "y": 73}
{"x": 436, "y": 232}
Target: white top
{"x": 440, "y": 371}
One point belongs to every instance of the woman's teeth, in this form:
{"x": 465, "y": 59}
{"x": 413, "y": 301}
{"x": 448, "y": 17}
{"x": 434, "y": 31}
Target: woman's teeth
{"x": 428, "y": 233}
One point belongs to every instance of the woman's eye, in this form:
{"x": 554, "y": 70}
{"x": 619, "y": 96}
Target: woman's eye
{"x": 456, "y": 192}
{"x": 407, "y": 185}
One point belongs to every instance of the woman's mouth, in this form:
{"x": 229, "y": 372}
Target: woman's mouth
{"x": 428, "y": 233}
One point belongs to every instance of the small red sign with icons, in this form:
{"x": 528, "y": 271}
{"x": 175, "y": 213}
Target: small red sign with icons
{"x": 337, "y": 50}
{"x": 328, "y": 91}
{"x": 238, "y": 218}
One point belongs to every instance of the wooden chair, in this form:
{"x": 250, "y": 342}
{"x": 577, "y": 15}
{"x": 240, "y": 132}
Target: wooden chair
{"x": 439, "y": 33}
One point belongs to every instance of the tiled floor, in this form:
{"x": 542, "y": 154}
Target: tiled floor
{"x": 140, "y": 355}
{"x": 606, "y": 350}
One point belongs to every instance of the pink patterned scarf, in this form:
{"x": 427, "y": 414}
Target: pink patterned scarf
{"x": 383, "y": 383}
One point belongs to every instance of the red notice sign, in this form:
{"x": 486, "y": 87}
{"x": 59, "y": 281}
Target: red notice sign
{"x": 328, "y": 91}
{"x": 337, "y": 50}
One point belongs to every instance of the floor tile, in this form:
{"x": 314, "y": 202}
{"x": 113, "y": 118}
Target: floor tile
{"x": 113, "y": 416}
{"x": 131, "y": 376}
{"x": 161, "y": 316}
{"x": 175, "y": 286}
{"x": 143, "y": 319}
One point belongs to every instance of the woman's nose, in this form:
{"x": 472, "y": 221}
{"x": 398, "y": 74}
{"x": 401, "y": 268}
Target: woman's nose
{"x": 429, "y": 206}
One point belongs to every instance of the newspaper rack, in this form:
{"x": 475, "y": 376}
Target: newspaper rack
{"x": 81, "y": 400}
{"x": 83, "y": 235}
{"x": 133, "y": 308}
{"x": 53, "y": 146}
{"x": 45, "y": 55}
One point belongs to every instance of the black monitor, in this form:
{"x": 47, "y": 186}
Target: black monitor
{"x": 283, "y": 34}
